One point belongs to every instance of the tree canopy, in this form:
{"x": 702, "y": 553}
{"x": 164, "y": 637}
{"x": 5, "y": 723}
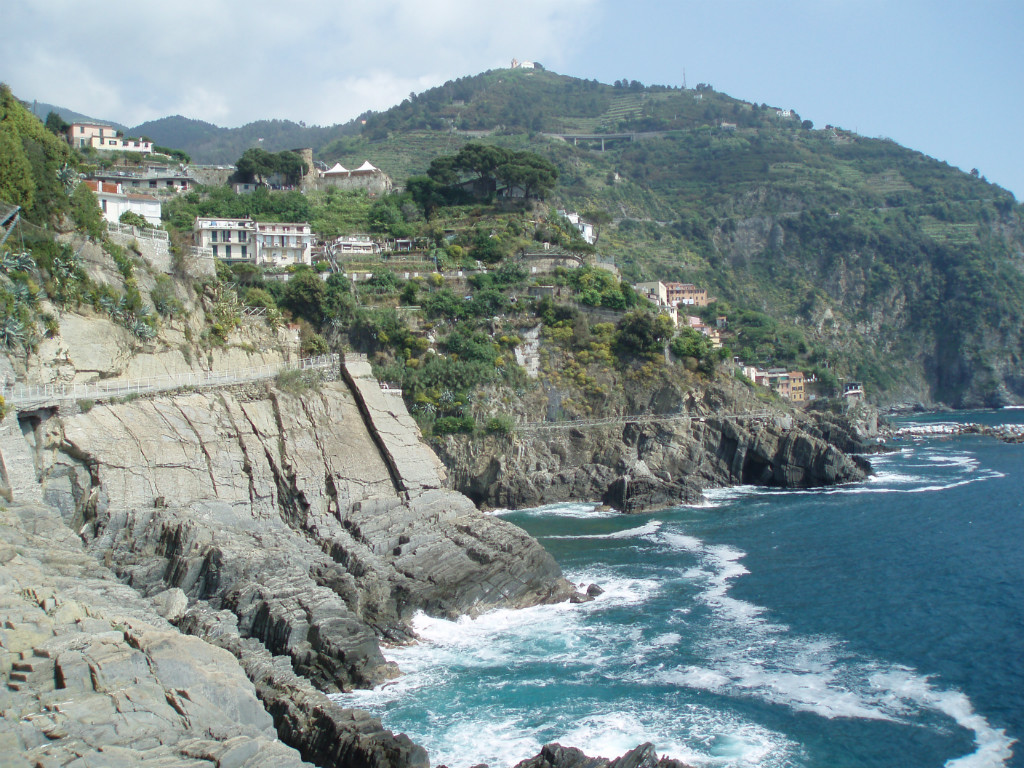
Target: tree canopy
{"x": 258, "y": 166}
{"x": 494, "y": 165}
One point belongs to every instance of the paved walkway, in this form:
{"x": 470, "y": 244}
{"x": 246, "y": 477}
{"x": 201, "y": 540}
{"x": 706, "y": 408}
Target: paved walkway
{"x": 532, "y": 426}
{"x": 52, "y": 394}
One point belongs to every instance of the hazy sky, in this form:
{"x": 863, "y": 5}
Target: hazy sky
{"x": 941, "y": 76}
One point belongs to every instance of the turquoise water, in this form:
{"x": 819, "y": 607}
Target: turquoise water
{"x": 880, "y": 624}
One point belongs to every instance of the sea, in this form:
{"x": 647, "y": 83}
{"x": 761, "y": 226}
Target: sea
{"x": 874, "y": 624}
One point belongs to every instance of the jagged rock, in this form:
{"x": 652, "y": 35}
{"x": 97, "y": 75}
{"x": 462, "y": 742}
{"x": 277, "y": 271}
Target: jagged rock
{"x": 642, "y": 466}
{"x": 556, "y": 756}
{"x": 171, "y": 604}
{"x": 90, "y": 673}
{"x": 308, "y": 524}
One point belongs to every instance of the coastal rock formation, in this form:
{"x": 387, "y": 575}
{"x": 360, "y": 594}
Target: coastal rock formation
{"x": 292, "y": 528}
{"x": 91, "y": 672}
{"x": 557, "y": 756}
{"x": 646, "y": 464}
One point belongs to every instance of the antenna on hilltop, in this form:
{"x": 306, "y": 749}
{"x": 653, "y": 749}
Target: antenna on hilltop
{"x": 684, "y": 78}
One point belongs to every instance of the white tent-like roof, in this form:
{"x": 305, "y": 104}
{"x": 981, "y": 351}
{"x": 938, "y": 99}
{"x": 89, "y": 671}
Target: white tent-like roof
{"x": 338, "y": 168}
{"x": 366, "y": 167}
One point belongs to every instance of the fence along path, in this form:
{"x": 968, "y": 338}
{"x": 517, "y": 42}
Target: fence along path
{"x": 531, "y": 426}
{"x": 44, "y": 394}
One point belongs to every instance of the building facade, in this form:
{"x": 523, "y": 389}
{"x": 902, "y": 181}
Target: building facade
{"x": 686, "y": 294}
{"x": 266, "y": 244}
{"x": 103, "y": 137}
{"x": 114, "y": 202}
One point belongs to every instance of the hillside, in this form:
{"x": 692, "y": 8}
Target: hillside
{"x": 866, "y": 258}
{"x": 849, "y": 257}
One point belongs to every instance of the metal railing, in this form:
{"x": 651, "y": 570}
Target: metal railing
{"x": 43, "y": 394}
{"x": 530, "y": 426}
{"x": 138, "y": 232}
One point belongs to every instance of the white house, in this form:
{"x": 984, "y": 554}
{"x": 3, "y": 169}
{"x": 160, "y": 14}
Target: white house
{"x": 586, "y": 229}
{"x": 103, "y": 137}
{"x": 114, "y": 202}
{"x": 268, "y": 244}
{"x": 281, "y": 245}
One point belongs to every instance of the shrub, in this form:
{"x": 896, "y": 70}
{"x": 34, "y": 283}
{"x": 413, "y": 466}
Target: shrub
{"x": 500, "y": 425}
{"x": 450, "y": 425}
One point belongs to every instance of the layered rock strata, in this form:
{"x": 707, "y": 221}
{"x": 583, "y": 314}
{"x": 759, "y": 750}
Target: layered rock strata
{"x": 92, "y": 674}
{"x": 643, "y": 465}
{"x": 297, "y": 528}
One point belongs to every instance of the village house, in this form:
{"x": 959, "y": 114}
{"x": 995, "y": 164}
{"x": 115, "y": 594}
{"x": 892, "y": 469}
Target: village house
{"x": 152, "y": 178}
{"x": 355, "y": 245}
{"x": 853, "y": 391}
{"x": 686, "y": 294}
{"x": 103, "y": 137}
{"x": 263, "y": 243}
{"x": 114, "y": 202}
{"x": 788, "y": 384}
{"x": 586, "y": 230}
{"x": 654, "y": 291}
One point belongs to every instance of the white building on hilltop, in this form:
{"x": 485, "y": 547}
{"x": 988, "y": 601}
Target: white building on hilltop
{"x": 104, "y": 137}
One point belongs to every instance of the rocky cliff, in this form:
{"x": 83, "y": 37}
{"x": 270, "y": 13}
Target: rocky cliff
{"x": 656, "y": 460}
{"x": 297, "y": 528}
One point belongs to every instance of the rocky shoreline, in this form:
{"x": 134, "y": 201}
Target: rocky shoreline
{"x": 1007, "y": 433}
{"x": 643, "y": 466}
{"x": 184, "y": 577}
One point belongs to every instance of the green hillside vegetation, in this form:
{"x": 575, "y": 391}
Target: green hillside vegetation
{"x": 844, "y": 256}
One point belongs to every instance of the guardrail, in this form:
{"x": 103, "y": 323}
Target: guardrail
{"x": 643, "y": 419}
{"x": 22, "y": 395}
{"x": 138, "y": 232}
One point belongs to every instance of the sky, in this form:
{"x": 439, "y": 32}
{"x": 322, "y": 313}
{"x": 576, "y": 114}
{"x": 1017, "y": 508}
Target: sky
{"x": 945, "y": 77}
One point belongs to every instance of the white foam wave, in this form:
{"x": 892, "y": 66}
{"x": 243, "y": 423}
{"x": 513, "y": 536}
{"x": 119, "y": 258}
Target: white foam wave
{"x": 720, "y": 497}
{"x": 630, "y": 533}
{"x": 993, "y": 746}
{"x": 746, "y": 654}
{"x": 565, "y": 509}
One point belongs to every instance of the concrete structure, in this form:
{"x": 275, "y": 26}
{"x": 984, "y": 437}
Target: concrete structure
{"x": 104, "y": 137}
{"x": 114, "y": 202}
{"x": 366, "y": 177}
{"x": 853, "y": 391}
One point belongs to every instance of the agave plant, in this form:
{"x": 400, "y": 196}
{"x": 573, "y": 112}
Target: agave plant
{"x": 66, "y": 264}
{"x": 12, "y": 332}
{"x": 67, "y": 178}
{"x": 13, "y": 261}
{"x": 142, "y": 329}
{"x": 23, "y": 293}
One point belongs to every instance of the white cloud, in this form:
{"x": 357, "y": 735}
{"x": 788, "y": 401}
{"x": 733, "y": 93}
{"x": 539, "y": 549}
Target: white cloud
{"x": 232, "y": 62}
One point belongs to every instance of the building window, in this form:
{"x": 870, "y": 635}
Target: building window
{"x": 215, "y": 250}
{"x": 213, "y": 236}
{"x": 227, "y": 251}
{"x": 245, "y": 255}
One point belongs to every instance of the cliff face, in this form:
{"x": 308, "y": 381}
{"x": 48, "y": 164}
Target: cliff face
{"x": 687, "y": 441}
{"x": 297, "y": 529}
